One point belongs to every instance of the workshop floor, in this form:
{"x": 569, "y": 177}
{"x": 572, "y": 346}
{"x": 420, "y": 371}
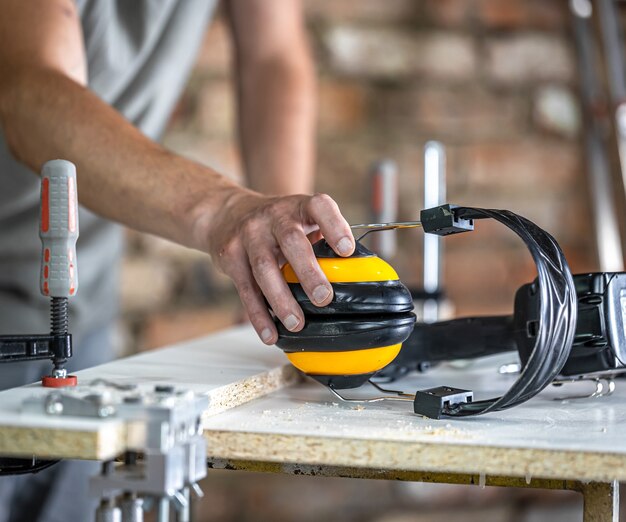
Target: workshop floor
{"x": 255, "y": 497}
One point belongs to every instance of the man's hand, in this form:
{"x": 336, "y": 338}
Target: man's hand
{"x": 254, "y": 235}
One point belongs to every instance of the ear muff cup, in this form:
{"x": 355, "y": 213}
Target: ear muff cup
{"x": 360, "y": 331}
{"x": 346, "y": 333}
{"x": 366, "y": 298}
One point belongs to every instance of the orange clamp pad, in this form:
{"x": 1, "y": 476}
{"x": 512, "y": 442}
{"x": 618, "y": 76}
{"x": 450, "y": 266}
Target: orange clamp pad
{"x": 48, "y": 381}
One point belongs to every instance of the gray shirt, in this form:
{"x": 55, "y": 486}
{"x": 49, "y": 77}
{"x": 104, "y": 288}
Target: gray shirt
{"x": 139, "y": 55}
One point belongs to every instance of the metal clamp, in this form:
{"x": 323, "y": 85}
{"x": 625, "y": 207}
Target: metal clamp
{"x": 166, "y": 455}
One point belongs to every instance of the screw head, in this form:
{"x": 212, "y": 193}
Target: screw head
{"x": 54, "y": 408}
{"x": 106, "y": 411}
{"x": 59, "y": 373}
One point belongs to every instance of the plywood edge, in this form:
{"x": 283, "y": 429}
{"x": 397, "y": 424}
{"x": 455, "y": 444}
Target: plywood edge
{"x": 405, "y": 456}
{"x": 253, "y": 387}
{"x": 107, "y": 439}
{"x": 106, "y": 442}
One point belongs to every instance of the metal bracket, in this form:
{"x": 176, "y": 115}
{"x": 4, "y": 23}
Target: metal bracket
{"x": 604, "y": 384}
{"x": 166, "y": 455}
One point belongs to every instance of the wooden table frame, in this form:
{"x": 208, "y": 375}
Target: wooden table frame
{"x": 600, "y": 499}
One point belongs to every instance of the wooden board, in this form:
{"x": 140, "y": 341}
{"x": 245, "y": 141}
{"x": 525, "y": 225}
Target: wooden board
{"x": 305, "y": 426}
{"x": 231, "y": 368}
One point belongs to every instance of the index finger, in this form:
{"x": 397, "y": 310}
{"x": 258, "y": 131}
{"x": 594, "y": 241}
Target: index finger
{"x": 323, "y": 210}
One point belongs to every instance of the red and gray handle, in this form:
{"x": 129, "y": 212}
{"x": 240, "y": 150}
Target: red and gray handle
{"x": 58, "y": 229}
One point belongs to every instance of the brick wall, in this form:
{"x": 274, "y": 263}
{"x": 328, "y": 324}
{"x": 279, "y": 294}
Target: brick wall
{"x": 495, "y": 80}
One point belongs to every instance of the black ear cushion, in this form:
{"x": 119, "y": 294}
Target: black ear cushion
{"x": 343, "y": 333}
{"x": 379, "y": 297}
{"x": 323, "y": 250}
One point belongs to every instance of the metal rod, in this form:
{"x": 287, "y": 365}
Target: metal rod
{"x": 132, "y": 508}
{"x": 608, "y": 239}
{"x": 405, "y": 398}
{"x": 387, "y": 390}
{"x": 107, "y": 511}
{"x": 386, "y": 226}
{"x": 384, "y": 204}
{"x": 434, "y": 195}
{"x": 608, "y": 374}
{"x": 378, "y": 227}
{"x": 598, "y": 392}
{"x": 163, "y": 510}
{"x": 183, "y": 512}
{"x": 613, "y": 41}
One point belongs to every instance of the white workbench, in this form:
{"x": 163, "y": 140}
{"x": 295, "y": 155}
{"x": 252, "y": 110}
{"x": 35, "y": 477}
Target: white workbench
{"x": 566, "y": 439}
{"x": 260, "y": 420}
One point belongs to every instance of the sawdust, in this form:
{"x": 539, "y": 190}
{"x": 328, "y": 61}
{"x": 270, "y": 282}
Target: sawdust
{"x": 357, "y": 421}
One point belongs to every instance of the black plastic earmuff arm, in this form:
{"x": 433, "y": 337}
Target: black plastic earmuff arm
{"x": 464, "y": 338}
{"x": 556, "y": 314}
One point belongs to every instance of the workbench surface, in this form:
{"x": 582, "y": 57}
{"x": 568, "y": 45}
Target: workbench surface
{"x": 231, "y": 368}
{"x": 581, "y": 439}
{"x": 257, "y": 414}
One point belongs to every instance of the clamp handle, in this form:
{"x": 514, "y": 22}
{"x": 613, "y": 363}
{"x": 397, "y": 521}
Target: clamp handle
{"x": 58, "y": 229}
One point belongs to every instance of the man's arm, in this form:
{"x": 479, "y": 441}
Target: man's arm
{"x": 46, "y": 112}
{"x": 276, "y": 94}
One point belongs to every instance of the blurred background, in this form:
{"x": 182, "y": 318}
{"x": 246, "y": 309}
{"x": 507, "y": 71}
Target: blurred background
{"x": 496, "y": 81}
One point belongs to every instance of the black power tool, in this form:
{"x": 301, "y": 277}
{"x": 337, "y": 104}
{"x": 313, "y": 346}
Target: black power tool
{"x": 598, "y": 348}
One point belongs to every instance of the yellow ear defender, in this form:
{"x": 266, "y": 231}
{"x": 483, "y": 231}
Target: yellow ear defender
{"x": 343, "y": 344}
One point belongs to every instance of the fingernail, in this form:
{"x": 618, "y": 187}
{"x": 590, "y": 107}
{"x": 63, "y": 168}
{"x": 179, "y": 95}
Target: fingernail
{"x": 291, "y": 322}
{"x": 320, "y": 294}
{"x": 345, "y": 246}
{"x": 266, "y": 335}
